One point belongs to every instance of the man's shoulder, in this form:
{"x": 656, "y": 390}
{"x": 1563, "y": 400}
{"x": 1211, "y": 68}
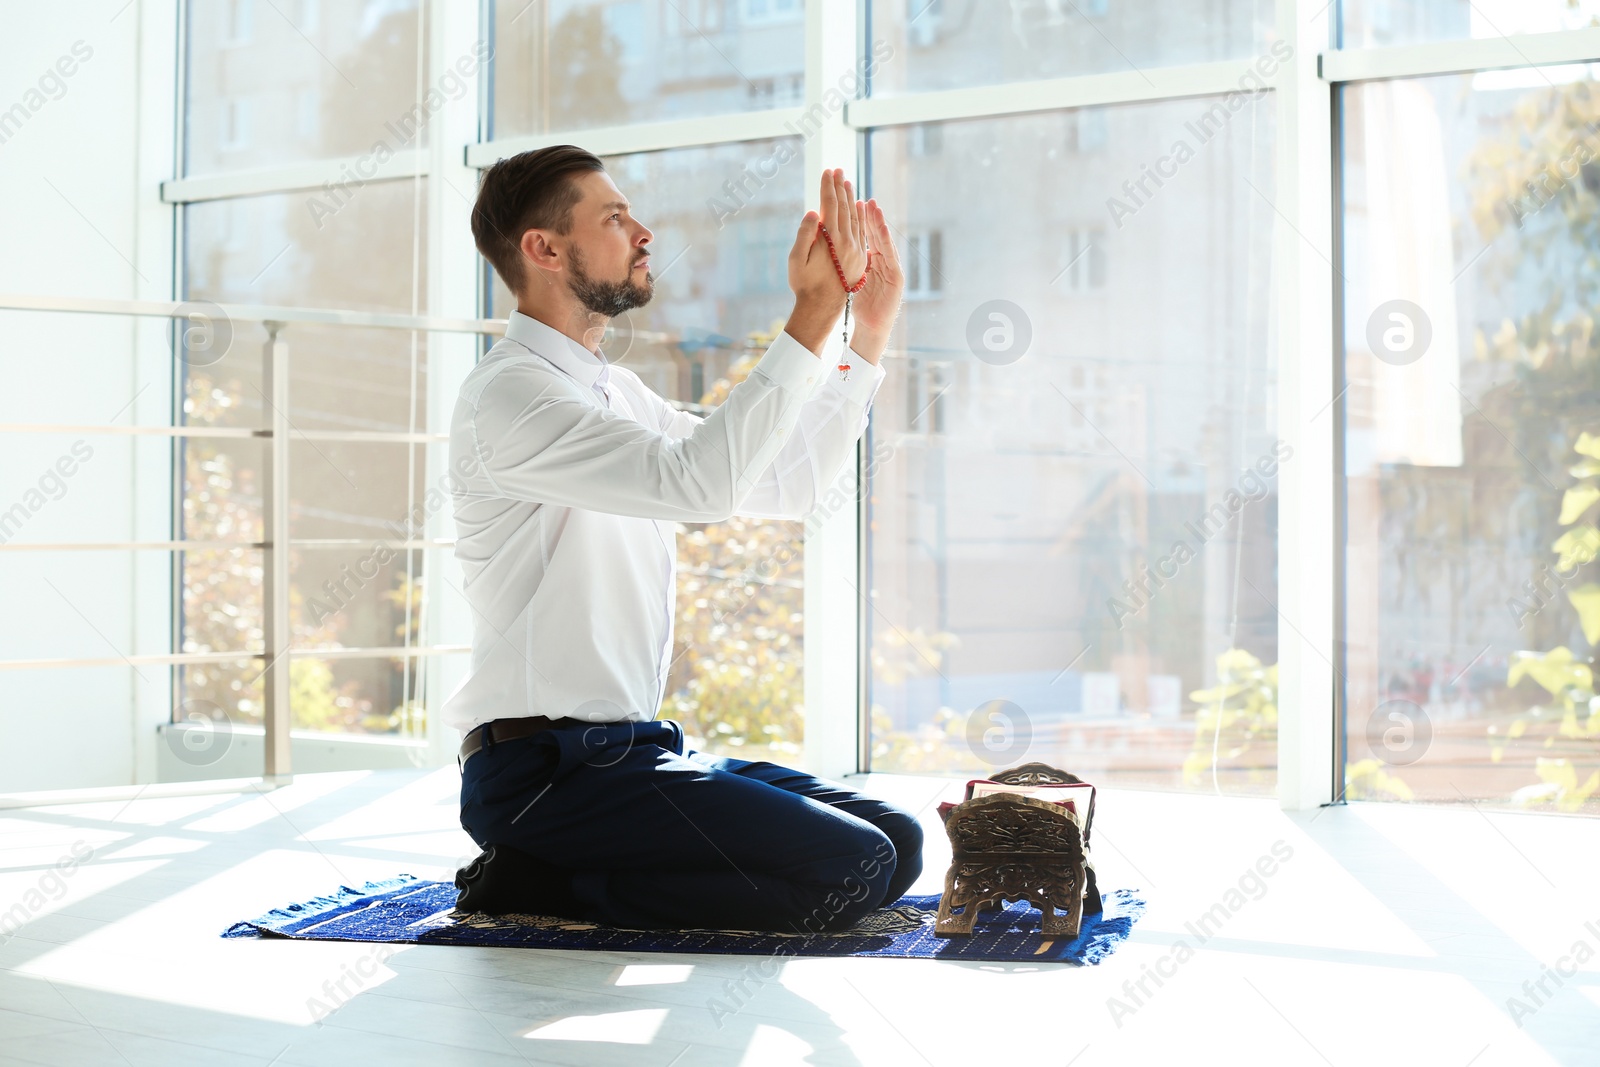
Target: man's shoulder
{"x": 510, "y": 368}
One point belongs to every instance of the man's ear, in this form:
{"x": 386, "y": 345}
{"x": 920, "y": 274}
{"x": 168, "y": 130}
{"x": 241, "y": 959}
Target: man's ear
{"x": 537, "y": 251}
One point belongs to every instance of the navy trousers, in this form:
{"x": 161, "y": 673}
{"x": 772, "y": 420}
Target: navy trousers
{"x": 665, "y": 837}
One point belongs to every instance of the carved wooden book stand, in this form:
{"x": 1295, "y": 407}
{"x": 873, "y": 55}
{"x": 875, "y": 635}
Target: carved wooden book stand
{"x": 1010, "y": 847}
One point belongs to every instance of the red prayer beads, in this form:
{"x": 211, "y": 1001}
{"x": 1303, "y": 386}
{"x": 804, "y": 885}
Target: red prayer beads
{"x": 844, "y": 368}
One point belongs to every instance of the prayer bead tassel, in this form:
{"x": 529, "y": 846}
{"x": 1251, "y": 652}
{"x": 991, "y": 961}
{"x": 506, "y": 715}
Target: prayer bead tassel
{"x": 849, "y": 292}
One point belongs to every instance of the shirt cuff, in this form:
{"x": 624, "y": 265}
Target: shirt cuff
{"x": 864, "y": 379}
{"x": 790, "y": 365}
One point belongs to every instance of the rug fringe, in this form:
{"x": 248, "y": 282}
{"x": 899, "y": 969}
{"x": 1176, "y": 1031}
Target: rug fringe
{"x": 261, "y": 925}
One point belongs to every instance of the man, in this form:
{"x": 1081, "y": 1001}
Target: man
{"x": 585, "y": 804}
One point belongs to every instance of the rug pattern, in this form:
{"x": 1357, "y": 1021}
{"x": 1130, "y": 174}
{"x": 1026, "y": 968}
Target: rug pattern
{"x": 406, "y": 909}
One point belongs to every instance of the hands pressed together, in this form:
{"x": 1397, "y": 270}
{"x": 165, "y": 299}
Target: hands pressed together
{"x": 862, "y": 244}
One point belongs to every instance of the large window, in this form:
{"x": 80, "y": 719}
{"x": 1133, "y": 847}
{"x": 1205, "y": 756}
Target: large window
{"x": 1135, "y": 328}
{"x": 268, "y": 85}
{"x": 1471, "y": 429}
{"x": 1073, "y": 553}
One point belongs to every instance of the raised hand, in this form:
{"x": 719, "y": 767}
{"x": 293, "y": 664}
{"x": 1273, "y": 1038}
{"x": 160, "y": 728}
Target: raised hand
{"x": 812, "y": 273}
{"x": 874, "y": 308}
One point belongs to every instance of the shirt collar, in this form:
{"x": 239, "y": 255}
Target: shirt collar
{"x": 568, "y": 355}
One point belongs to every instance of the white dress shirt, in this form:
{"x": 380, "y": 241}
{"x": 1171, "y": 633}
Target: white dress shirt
{"x": 567, "y": 530}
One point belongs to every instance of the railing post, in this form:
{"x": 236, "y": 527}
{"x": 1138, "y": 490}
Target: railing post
{"x": 275, "y": 558}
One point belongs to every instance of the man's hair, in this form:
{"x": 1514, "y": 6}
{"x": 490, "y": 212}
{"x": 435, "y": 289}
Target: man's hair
{"x": 528, "y": 191}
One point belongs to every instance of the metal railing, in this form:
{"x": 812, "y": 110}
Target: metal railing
{"x": 276, "y": 651}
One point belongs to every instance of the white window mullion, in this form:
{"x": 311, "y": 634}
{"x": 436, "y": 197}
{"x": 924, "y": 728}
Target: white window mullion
{"x": 1303, "y": 251}
{"x": 151, "y": 376}
{"x": 453, "y": 282}
{"x": 339, "y": 175}
{"x": 833, "y": 608}
{"x": 652, "y": 136}
{"x": 1054, "y": 94}
{"x": 1457, "y": 57}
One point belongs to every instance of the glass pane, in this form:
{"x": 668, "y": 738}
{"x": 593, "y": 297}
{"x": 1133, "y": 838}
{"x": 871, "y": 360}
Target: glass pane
{"x": 737, "y": 681}
{"x": 1370, "y": 23}
{"x": 280, "y": 250}
{"x": 1470, "y": 299}
{"x": 945, "y": 44}
{"x": 578, "y": 64}
{"x": 278, "y": 81}
{"x": 366, "y": 251}
{"x": 721, "y": 293}
{"x": 1073, "y": 540}
{"x": 360, "y": 596}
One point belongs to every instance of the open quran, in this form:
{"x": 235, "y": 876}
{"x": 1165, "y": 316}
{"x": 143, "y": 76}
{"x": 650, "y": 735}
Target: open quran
{"x": 1077, "y": 797}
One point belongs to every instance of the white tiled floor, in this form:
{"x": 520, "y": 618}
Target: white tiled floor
{"x": 1391, "y": 935}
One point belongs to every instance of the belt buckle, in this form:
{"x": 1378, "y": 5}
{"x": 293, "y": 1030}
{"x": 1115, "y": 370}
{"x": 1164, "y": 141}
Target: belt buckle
{"x": 461, "y": 761}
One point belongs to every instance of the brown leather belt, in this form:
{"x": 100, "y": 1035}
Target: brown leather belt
{"x": 508, "y": 729}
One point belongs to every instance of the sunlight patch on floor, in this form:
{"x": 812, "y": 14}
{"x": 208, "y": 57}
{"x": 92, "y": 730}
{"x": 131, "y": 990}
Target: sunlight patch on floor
{"x": 615, "y": 1028}
{"x": 654, "y": 974}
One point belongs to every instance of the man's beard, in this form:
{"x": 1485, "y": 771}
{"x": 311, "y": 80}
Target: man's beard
{"x": 608, "y": 298}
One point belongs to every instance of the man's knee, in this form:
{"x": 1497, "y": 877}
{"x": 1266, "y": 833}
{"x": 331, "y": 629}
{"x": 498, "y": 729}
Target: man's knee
{"x": 903, "y": 830}
{"x": 855, "y": 886}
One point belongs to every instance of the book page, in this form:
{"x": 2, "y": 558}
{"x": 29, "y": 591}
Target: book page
{"x": 1053, "y": 794}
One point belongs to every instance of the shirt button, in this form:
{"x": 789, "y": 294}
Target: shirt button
{"x": 810, "y": 379}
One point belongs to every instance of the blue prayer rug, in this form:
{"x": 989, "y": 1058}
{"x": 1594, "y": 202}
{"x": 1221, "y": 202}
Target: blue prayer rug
{"x": 406, "y": 909}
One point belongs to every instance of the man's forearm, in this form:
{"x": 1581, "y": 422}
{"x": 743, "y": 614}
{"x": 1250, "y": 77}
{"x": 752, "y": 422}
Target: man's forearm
{"x": 813, "y": 319}
{"x": 869, "y": 344}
